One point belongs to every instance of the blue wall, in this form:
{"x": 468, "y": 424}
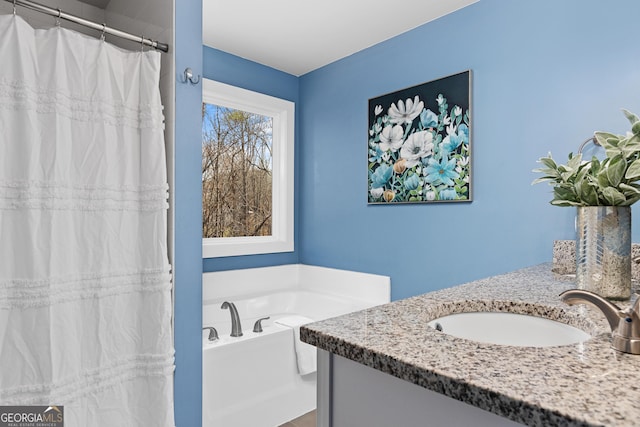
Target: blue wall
{"x": 236, "y": 71}
{"x": 187, "y": 264}
{"x": 546, "y": 74}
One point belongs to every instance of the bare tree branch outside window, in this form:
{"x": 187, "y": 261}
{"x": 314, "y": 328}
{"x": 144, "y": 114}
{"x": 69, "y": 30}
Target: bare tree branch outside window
{"x": 236, "y": 173}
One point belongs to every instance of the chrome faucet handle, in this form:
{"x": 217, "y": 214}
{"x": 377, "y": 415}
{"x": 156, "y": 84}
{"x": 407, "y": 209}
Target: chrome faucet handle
{"x": 625, "y": 324}
{"x": 257, "y": 327}
{"x": 629, "y": 326}
{"x": 213, "y": 334}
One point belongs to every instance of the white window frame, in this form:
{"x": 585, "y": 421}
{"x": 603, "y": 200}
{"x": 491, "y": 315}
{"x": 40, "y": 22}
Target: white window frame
{"x": 282, "y": 112}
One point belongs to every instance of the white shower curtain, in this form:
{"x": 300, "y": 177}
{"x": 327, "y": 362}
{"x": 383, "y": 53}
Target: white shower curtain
{"x": 85, "y": 285}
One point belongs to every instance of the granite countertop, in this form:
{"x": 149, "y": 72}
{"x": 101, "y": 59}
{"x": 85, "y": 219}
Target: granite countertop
{"x": 586, "y": 384}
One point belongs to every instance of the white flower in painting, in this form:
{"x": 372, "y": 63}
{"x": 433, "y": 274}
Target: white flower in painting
{"x": 462, "y": 162}
{"x": 451, "y": 129}
{"x": 440, "y": 99}
{"x": 391, "y": 138}
{"x": 405, "y": 112}
{"x": 446, "y": 120}
{"x": 431, "y": 195}
{"x": 457, "y": 111}
{"x": 417, "y": 145}
{"x": 376, "y": 192}
{"x": 375, "y": 129}
{"x": 377, "y": 110}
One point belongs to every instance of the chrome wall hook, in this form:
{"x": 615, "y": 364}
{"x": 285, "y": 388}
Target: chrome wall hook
{"x": 188, "y": 77}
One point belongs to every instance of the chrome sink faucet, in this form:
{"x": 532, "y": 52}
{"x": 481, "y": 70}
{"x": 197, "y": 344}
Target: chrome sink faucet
{"x": 236, "y": 327}
{"x": 625, "y": 324}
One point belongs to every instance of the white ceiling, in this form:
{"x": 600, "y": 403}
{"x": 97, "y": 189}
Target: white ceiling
{"x": 298, "y": 36}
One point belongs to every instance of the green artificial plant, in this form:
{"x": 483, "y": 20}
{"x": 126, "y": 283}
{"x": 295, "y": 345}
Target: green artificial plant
{"x": 610, "y": 182}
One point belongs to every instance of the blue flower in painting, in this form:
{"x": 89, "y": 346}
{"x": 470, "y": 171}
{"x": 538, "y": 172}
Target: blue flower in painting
{"x": 412, "y": 182}
{"x": 463, "y": 130}
{"x": 381, "y": 175}
{"x": 448, "y": 194}
{"x": 442, "y": 172}
{"x": 376, "y": 154}
{"x": 451, "y": 142}
{"x": 428, "y": 118}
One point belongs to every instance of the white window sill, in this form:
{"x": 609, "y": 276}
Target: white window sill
{"x": 234, "y": 246}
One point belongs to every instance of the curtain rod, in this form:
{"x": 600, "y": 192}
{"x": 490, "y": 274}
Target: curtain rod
{"x": 85, "y": 22}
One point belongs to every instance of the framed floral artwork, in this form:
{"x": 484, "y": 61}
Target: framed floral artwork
{"x": 419, "y": 147}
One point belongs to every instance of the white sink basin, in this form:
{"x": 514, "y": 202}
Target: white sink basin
{"x": 509, "y": 329}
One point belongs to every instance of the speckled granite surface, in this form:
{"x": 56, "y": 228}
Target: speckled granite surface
{"x": 587, "y": 384}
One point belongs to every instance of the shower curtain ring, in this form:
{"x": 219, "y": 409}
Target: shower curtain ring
{"x": 58, "y": 17}
{"x": 104, "y": 27}
{"x": 14, "y": 7}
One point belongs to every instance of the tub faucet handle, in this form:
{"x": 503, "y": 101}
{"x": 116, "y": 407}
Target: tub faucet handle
{"x": 213, "y": 334}
{"x": 257, "y": 327}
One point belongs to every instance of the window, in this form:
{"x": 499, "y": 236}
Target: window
{"x": 247, "y": 172}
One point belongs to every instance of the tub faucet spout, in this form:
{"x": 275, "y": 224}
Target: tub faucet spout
{"x": 625, "y": 324}
{"x": 236, "y": 327}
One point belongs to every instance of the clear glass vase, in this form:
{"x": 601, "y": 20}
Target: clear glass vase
{"x": 603, "y": 250}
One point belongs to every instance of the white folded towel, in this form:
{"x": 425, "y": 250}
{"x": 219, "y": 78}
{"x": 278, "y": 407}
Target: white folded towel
{"x": 305, "y": 353}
